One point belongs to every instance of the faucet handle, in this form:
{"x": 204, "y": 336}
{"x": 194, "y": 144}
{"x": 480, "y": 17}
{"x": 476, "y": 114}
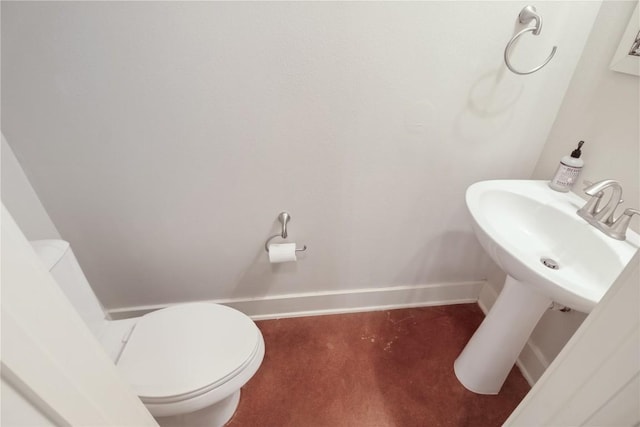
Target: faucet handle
{"x": 631, "y": 212}
{"x": 619, "y": 229}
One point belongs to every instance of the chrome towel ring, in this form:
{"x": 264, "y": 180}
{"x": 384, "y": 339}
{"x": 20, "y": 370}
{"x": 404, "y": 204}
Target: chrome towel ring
{"x": 527, "y": 15}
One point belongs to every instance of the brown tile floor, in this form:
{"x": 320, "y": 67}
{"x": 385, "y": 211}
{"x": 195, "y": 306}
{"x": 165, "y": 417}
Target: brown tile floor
{"x": 385, "y": 368}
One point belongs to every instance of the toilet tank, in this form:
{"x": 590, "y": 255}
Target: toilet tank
{"x": 59, "y": 259}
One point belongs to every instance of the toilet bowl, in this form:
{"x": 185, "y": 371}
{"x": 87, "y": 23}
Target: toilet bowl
{"x": 186, "y": 362}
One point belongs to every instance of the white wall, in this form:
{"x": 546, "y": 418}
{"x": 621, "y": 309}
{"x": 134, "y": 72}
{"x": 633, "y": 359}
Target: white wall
{"x": 20, "y": 198}
{"x": 164, "y": 138}
{"x": 601, "y": 107}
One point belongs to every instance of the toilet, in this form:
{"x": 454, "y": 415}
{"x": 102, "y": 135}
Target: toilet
{"x": 186, "y": 362}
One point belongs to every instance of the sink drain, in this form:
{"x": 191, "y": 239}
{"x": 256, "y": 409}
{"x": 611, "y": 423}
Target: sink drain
{"x": 550, "y": 263}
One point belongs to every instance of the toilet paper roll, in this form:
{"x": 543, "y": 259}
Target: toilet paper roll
{"x": 282, "y": 252}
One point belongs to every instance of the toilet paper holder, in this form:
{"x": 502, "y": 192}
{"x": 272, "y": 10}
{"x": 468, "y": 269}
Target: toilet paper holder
{"x": 284, "y": 218}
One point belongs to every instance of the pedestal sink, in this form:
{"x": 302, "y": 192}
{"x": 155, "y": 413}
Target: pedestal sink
{"x": 549, "y": 254}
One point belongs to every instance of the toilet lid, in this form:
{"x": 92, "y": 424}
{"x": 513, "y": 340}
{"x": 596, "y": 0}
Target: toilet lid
{"x": 186, "y": 348}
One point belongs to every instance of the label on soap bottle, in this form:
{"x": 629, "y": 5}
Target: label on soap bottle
{"x": 564, "y": 178}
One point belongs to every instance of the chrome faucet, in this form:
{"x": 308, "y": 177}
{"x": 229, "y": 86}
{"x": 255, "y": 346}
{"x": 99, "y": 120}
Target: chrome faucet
{"x": 603, "y": 217}
{"x": 592, "y": 211}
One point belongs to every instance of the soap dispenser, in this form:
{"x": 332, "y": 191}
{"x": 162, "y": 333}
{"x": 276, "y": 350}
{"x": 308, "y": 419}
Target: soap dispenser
{"x": 568, "y": 171}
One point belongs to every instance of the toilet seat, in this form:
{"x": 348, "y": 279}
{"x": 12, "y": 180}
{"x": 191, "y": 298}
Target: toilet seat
{"x": 182, "y": 352}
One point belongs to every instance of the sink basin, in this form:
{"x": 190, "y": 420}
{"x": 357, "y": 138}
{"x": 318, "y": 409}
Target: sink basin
{"x": 549, "y": 254}
{"x": 519, "y": 223}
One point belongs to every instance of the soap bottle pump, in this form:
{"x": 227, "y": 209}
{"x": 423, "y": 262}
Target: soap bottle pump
{"x": 568, "y": 171}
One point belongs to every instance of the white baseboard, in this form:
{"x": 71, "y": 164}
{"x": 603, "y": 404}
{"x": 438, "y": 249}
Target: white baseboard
{"x": 336, "y": 302}
{"x": 532, "y": 362}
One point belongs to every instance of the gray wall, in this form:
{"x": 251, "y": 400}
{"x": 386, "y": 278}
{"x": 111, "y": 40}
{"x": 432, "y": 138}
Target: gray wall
{"x": 21, "y": 200}
{"x": 164, "y": 138}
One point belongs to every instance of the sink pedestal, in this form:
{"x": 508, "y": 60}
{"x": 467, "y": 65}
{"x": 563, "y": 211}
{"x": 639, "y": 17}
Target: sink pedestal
{"x": 488, "y": 357}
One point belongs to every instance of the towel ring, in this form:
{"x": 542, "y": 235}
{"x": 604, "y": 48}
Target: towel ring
{"x": 527, "y": 15}
{"x": 507, "y": 52}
